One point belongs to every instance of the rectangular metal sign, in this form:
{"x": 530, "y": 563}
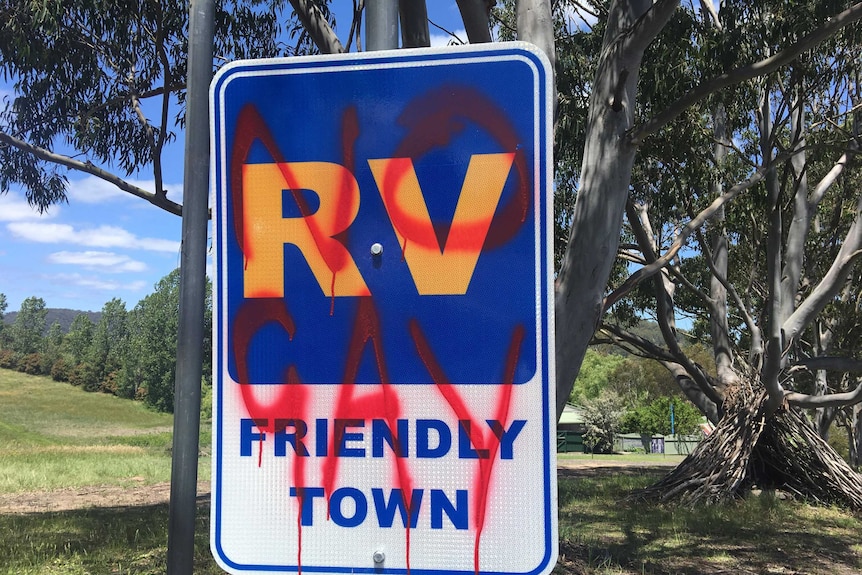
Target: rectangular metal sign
{"x": 383, "y": 314}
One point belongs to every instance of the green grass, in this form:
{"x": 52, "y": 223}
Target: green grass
{"x": 621, "y": 457}
{"x": 601, "y": 532}
{"x": 53, "y": 435}
{"x": 96, "y": 541}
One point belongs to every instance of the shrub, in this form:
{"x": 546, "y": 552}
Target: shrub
{"x": 84, "y": 375}
{"x": 8, "y": 359}
{"x": 110, "y": 384}
{"x": 60, "y": 370}
{"x": 31, "y": 364}
{"x": 839, "y": 442}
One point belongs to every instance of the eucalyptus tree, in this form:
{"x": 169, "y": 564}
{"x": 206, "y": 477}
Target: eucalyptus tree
{"x": 103, "y": 117}
{"x": 52, "y": 347}
{"x": 743, "y": 216}
{"x": 149, "y": 359}
{"x": 98, "y": 88}
{"x": 146, "y": 359}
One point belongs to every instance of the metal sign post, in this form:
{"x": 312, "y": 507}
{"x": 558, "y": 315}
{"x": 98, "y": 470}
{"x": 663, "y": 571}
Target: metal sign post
{"x": 383, "y": 314}
{"x": 187, "y": 395}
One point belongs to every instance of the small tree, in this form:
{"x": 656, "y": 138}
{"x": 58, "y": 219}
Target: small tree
{"x": 79, "y": 337}
{"x": 26, "y": 332}
{"x": 109, "y": 338}
{"x": 602, "y": 417}
{"x": 3, "y": 306}
{"x": 52, "y": 345}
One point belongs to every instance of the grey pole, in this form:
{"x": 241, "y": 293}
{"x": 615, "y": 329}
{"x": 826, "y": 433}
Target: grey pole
{"x": 187, "y": 388}
{"x": 381, "y": 25}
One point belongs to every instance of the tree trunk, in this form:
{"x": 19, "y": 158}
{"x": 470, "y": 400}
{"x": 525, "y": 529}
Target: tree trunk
{"x": 751, "y": 448}
{"x": 854, "y": 430}
{"x": 604, "y": 186}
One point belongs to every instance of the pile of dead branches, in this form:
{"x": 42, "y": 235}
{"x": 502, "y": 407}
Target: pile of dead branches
{"x": 750, "y": 449}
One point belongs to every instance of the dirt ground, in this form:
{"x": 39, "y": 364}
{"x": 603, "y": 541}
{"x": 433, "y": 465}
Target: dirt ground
{"x": 92, "y": 496}
{"x": 153, "y": 494}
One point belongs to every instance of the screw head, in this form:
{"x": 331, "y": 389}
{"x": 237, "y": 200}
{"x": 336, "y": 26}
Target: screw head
{"x": 379, "y": 556}
{"x": 376, "y": 249}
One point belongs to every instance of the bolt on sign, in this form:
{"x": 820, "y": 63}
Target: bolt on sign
{"x": 383, "y": 395}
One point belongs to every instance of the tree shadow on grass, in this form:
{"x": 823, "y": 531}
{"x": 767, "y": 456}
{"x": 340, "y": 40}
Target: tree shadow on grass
{"x": 761, "y": 535}
{"x": 128, "y": 540}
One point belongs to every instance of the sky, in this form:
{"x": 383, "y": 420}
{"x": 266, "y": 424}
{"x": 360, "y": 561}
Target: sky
{"x": 104, "y": 243}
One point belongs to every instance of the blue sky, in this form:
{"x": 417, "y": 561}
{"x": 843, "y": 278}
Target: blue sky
{"x": 105, "y": 243}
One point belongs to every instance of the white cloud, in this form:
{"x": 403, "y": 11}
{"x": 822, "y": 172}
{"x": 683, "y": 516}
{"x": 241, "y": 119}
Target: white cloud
{"x": 102, "y": 237}
{"x": 96, "y": 283}
{"x": 14, "y": 208}
{"x": 104, "y": 261}
{"x": 93, "y": 190}
{"x": 443, "y": 39}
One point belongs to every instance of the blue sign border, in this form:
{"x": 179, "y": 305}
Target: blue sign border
{"x": 402, "y": 58}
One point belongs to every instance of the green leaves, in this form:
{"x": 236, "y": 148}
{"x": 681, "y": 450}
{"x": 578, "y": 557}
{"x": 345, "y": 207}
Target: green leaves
{"x": 104, "y": 81}
{"x": 26, "y": 332}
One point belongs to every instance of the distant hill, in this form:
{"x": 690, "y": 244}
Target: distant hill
{"x": 63, "y": 316}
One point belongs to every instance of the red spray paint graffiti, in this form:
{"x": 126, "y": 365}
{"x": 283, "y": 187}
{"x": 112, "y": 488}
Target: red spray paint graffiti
{"x": 485, "y": 444}
{"x": 433, "y": 120}
{"x": 381, "y": 404}
{"x": 291, "y": 403}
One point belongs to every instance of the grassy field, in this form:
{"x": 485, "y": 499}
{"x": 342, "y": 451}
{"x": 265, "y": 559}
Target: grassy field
{"x": 54, "y": 436}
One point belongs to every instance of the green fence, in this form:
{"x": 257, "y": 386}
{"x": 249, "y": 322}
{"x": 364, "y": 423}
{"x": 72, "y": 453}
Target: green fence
{"x": 569, "y": 442}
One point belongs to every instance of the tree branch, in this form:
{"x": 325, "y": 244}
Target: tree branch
{"x": 800, "y": 223}
{"x": 765, "y": 66}
{"x": 707, "y": 7}
{"x": 722, "y": 279}
{"x": 653, "y": 268}
{"x": 831, "y": 400}
{"x": 123, "y": 97}
{"x": 846, "y": 364}
{"x": 773, "y": 360}
{"x": 163, "y": 128}
{"x": 647, "y": 27}
{"x": 355, "y": 25}
{"x": 317, "y": 26}
{"x": 691, "y": 379}
{"x": 646, "y": 347}
{"x": 642, "y": 229}
{"x": 474, "y": 13}
{"x": 851, "y": 249}
{"x": 88, "y": 168}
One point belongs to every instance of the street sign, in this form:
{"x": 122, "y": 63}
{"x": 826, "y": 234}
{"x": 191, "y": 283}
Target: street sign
{"x": 384, "y": 398}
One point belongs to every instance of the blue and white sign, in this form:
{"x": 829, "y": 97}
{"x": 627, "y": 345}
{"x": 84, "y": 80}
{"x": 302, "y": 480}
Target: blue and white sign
{"x": 384, "y": 397}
